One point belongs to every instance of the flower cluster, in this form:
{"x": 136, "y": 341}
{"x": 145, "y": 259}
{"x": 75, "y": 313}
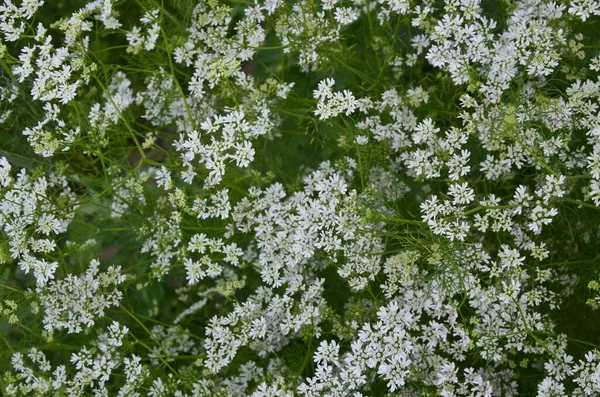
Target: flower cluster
{"x": 304, "y": 197}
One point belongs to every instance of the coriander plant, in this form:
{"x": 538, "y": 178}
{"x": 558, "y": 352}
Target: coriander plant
{"x": 299, "y": 198}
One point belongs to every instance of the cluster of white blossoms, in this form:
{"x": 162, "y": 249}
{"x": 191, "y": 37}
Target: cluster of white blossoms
{"x": 32, "y": 216}
{"x": 94, "y": 368}
{"x": 13, "y": 17}
{"x": 304, "y": 197}
{"x": 75, "y": 301}
{"x": 290, "y": 231}
{"x": 137, "y": 40}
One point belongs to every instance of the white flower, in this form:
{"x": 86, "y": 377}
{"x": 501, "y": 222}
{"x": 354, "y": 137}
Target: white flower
{"x": 47, "y": 224}
{"x": 327, "y": 352}
{"x": 362, "y": 139}
{"x": 345, "y": 15}
{"x": 509, "y": 258}
{"x": 194, "y": 270}
{"x": 43, "y": 271}
{"x": 425, "y": 131}
{"x": 462, "y": 193}
{"x": 5, "y": 178}
{"x": 244, "y": 154}
{"x": 163, "y": 178}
